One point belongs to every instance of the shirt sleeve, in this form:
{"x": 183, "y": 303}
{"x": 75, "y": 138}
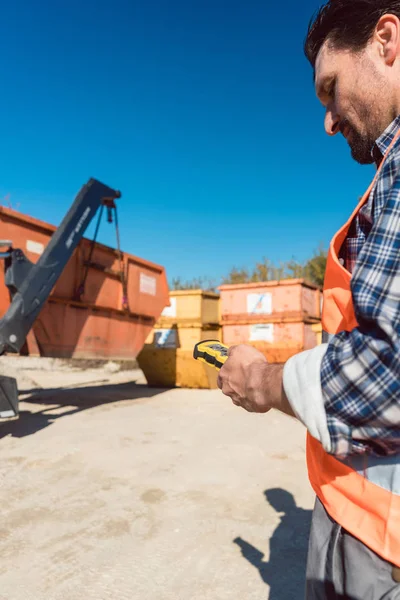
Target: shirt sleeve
{"x": 360, "y": 370}
{"x": 302, "y": 385}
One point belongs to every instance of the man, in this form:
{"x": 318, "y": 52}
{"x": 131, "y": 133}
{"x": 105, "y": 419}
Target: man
{"x": 347, "y": 391}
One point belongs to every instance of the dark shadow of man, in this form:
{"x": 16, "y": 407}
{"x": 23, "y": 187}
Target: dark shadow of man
{"x": 285, "y": 570}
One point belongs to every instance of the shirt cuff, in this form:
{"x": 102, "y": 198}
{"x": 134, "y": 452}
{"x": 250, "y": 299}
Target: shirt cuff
{"x": 302, "y": 385}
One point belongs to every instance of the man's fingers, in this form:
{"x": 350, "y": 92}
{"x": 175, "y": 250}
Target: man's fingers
{"x": 226, "y": 389}
{"x": 223, "y": 382}
{"x": 231, "y": 350}
{"x": 236, "y": 400}
{"x": 222, "y": 377}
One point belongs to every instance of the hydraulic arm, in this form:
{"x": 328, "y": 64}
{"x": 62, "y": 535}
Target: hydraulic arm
{"x": 30, "y": 284}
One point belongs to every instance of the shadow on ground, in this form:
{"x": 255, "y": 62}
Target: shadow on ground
{"x": 69, "y": 400}
{"x": 284, "y": 572}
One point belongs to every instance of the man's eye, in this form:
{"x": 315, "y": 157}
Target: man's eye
{"x": 332, "y": 89}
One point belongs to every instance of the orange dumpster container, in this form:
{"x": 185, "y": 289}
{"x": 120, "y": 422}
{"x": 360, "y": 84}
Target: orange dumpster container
{"x": 111, "y": 317}
{"x": 277, "y": 317}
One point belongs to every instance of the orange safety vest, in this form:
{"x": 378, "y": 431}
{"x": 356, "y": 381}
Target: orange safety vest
{"x": 362, "y": 493}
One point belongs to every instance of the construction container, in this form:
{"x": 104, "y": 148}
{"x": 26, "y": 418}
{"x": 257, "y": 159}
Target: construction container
{"x": 192, "y": 315}
{"x": 277, "y": 317}
{"x": 292, "y": 297}
{"x": 174, "y": 367}
{"x": 102, "y": 308}
{"x": 191, "y": 306}
{"x": 167, "y": 357}
{"x": 317, "y": 329}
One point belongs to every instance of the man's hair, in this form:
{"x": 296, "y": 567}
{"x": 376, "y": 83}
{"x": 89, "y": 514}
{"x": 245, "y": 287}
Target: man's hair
{"x": 347, "y": 24}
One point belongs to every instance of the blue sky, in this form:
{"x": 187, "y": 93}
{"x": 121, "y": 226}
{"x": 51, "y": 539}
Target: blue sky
{"x": 202, "y": 113}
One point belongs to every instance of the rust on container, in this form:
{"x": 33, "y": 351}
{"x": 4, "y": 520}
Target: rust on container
{"x": 109, "y": 317}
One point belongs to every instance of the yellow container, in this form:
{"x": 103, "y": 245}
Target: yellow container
{"x": 167, "y": 357}
{"x": 192, "y": 305}
{"x": 317, "y": 328}
{"x": 170, "y": 367}
{"x": 175, "y": 335}
{"x": 193, "y": 316}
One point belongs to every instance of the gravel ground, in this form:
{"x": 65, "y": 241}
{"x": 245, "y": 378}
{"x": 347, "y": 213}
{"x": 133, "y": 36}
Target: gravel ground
{"x": 112, "y": 490}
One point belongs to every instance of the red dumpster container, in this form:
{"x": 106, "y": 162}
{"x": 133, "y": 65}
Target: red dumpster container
{"x": 97, "y": 323}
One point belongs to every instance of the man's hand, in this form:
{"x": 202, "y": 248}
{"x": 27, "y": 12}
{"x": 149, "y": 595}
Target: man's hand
{"x": 251, "y": 382}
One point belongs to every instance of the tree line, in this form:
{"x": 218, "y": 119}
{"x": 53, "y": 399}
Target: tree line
{"x": 313, "y": 270}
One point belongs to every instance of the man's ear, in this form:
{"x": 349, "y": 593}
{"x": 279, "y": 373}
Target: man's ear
{"x": 387, "y": 38}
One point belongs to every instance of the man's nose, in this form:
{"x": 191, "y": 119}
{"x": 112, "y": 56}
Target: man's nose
{"x": 331, "y": 122}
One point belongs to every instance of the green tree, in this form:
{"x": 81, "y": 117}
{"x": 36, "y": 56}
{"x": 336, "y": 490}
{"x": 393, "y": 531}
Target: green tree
{"x": 314, "y": 269}
{"x": 262, "y": 270}
{"x": 294, "y": 269}
{"x": 196, "y": 283}
{"x": 237, "y": 276}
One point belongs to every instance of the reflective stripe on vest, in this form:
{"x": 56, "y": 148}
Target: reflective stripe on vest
{"x": 326, "y": 337}
{"x": 362, "y": 493}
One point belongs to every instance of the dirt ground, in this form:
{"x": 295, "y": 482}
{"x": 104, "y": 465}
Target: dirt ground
{"x": 112, "y": 490}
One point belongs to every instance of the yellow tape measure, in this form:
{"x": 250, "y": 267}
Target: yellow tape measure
{"x": 211, "y": 352}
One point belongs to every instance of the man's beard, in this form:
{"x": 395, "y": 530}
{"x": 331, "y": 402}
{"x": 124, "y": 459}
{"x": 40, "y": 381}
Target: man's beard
{"x": 360, "y": 145}
{"x": 361, "y": 148}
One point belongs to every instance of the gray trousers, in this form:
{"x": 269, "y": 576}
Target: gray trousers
{"x": 340, "y": 567}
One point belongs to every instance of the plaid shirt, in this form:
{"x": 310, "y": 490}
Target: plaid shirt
{"x": 360, "y": 372}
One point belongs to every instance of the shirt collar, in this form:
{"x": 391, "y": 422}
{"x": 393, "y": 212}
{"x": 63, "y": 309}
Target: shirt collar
{"x": 384, "y": 140}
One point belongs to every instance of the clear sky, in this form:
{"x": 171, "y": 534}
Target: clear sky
{"x": 202, "y": 113}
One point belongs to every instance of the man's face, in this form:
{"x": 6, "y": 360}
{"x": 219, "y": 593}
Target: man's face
{"x": 354, "y": 90}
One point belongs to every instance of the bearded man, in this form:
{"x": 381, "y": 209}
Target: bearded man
{"x": 347, "y": 390}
